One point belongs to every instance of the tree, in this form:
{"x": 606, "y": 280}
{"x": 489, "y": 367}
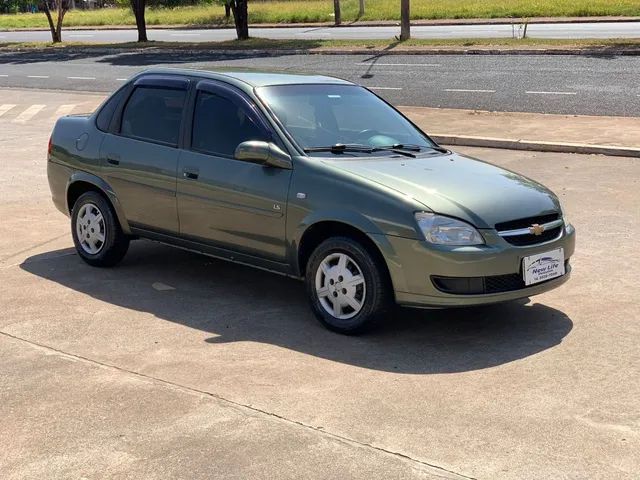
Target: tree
{"x": 240, "y": 16}
{"x": 60, "y": 7}
{"x": 405, "y": 20}
{"x": 361, "y": 10}
{"x": 138, "y": 7}
{"x": 336, "y": 11}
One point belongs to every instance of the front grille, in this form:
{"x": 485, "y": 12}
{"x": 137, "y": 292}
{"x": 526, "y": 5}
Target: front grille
{"x": 526, "y": 222}
{"x": 484, "y": 285}
{"x": 530, "y": 239}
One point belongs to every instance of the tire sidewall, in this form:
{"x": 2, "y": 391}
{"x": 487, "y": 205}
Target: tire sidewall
{"x": 113, "y": 233}
{"x": 372, "y": 277}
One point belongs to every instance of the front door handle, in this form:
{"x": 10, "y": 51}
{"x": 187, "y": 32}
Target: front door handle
{"x": 190, "y": 173}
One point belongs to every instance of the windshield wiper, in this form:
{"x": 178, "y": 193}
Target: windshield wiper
{"x": 416, "y": 148}
{"x": 356, "y": 147}
{"x": 399, "y": 148}
{"x": 340, "y": 148}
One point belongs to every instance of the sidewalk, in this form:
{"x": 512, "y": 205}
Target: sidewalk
{"x": 514, "y": 131}
{"x": 365, "y": 23}
{"x": 530, "y": 131}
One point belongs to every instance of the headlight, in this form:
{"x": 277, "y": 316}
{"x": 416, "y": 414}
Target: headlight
{"x": 447, "y": 231}
{"x": 564, "y": 218}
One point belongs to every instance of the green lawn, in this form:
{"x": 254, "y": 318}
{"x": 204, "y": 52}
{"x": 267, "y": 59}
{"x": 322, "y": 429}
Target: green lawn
{"x": 319, "y": 45}
{"x": 289, "y": 11}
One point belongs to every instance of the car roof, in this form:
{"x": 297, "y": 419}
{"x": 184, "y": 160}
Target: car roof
{"x": 253, "y": 78}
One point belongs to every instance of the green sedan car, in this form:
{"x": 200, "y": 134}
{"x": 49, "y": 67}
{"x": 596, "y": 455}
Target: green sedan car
{"x": 311, "y": 177}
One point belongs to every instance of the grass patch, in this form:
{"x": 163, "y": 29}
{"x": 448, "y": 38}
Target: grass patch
{"x": 294, "y": 11}
{"x": 319, "y": 45}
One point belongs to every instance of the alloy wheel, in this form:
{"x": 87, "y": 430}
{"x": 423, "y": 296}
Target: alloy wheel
{"x": 90, "y": 228}
{"x": 340, "y": 286}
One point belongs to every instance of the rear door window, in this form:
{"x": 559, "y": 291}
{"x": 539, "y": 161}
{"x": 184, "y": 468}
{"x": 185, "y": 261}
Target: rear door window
{"x": 220, "y": 125}
{"x": 154, "y": 113}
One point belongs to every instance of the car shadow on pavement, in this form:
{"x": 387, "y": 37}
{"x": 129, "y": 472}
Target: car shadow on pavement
{"x": 236, "y": 303}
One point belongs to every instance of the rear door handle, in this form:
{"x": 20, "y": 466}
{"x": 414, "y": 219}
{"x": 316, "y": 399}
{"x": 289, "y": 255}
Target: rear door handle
{"x": 113, "y": 159}
{"x": 190, "y": 173}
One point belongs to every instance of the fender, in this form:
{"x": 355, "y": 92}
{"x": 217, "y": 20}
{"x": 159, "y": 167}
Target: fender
{"x": 351, "y": 218}
{"x": 104, "y": 187}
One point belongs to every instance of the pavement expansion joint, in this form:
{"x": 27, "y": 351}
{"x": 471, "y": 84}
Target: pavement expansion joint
{"x": 428, "y": 467}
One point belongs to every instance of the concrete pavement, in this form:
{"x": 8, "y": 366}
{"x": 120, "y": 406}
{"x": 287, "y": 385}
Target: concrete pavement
{"x": 109, "y": 374}
{"x": 595, "y": 134}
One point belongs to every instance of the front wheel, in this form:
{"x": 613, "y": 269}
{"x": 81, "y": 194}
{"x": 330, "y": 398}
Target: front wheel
{"x": 97, "y": 235}
{"x": 347, "y": 286}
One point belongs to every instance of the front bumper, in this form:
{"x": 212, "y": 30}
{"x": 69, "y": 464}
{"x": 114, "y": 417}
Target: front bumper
{"x": 413, "y": 263}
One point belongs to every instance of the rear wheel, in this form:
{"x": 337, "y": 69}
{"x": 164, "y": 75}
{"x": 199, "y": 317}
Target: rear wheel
{"x": 97, "y": 235}
{"x": 347, "y": 286}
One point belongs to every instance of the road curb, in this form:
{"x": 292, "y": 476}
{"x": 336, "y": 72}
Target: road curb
{"x": 536, "y": 145}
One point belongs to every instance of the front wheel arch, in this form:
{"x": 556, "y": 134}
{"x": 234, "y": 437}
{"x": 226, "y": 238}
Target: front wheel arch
{"x": 317, "y": 233}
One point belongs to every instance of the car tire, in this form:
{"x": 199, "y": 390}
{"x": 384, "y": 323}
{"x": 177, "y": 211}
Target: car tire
{"x": 96, "y": 232}
{"x": 348, "y": 287}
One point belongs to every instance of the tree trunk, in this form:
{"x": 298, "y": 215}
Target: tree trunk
{"x": 336, "y": 11}
{"x": 227, "y": 11}
{"x": 61, "y": 12}
{"x": 56, "y": 26}
{"x": 52, "y": 27}
{"x": 241, "y": 18}
{"x": 138, "y": 7}
{"x": 405, "y": 22}
{"x": 361, "y": 11}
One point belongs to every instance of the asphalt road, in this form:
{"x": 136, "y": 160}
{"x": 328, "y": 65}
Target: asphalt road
{"x": 545, "y": 84}
{"x": 174, "y": 365}
{"x": 557, "y": 30}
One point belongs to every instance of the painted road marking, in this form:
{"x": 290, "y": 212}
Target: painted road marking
{"x": 400, "y": 64}
{"x": 63, "y": 110}
{"x": 121, "y": 79}
{"x": 469, "y": 91}
{"x": 29, "y": 113}
{"x": 81, "y": 78}
{"x": 37, "y": 76}
{"x": 4, "y": 75}
{"x": 5, "y": 108}
{"x": 384, "y": 88}
{"x": 551, "y": 93}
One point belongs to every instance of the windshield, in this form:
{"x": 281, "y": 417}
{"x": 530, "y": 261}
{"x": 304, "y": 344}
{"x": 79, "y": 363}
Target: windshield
{"x": 324, "y": 115}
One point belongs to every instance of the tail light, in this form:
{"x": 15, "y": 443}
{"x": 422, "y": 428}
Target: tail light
{"x": 50, "y": 147}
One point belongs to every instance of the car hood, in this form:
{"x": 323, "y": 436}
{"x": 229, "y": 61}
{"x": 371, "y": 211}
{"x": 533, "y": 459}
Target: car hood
{"x": 457, "y": 186}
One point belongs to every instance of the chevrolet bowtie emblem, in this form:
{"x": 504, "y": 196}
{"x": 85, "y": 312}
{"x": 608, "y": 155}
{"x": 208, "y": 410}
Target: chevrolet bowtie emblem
{"x": 536, "y": 229}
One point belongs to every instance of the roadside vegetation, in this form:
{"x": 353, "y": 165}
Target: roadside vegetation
{"x": 292, "y": 11}
{"x": 384, "y": 46}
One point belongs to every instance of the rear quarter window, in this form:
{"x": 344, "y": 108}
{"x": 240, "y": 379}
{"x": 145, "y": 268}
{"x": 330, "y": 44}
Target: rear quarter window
{"x": 103, "y": 120}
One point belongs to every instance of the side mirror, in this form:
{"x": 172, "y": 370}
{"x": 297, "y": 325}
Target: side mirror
{"x": 264, "y": 153}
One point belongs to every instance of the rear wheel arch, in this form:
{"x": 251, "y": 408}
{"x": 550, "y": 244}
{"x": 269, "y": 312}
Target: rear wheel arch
{"x": 82, "y": 182}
